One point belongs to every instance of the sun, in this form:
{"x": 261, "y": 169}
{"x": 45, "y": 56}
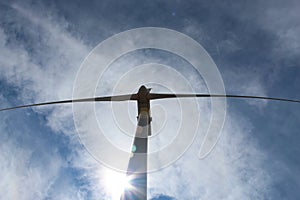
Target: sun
{"x": 115, "y": 183}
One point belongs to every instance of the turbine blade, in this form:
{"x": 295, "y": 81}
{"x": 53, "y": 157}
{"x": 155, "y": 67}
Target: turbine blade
{"x": 125, "y": 97}
{"x": 153, "y": 96}
{"x": 95, "y": 99}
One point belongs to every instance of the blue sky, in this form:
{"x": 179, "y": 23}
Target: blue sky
{"x": 255, "y": 45}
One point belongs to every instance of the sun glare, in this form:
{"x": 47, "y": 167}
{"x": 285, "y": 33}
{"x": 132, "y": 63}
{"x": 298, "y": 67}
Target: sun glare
{"x": 115, "y": 183}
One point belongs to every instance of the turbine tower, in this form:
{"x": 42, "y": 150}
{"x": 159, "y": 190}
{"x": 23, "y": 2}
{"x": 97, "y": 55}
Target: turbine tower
{"x": 137, "y": 167}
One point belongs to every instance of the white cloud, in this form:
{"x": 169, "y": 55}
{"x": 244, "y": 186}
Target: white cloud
{"x": 36, "y": 82}
{"x": 24, "y": 177}
{"x": 216, "y": 177}
{"x": 232, "y": 171}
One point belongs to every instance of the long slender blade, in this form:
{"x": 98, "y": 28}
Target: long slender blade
{"x": 153, "y": 96}
{"x": 95, "y": 99}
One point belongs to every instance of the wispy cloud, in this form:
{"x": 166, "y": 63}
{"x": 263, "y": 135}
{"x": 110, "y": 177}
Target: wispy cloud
{"x": 41, "y": 65}
{"x": 232, "y": 171}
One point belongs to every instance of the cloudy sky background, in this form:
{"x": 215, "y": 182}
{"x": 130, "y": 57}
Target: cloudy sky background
{"x": 255, "y": 45}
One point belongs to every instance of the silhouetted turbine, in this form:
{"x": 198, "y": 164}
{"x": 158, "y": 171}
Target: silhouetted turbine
{"x": 137, "y": 167}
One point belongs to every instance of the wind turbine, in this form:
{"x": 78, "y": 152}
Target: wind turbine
{"x": 137, "y": 167}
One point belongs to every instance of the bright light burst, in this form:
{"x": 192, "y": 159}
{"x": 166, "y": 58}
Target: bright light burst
{"x": 115, "y": 183}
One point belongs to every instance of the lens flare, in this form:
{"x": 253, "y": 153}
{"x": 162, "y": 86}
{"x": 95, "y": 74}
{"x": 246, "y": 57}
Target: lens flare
{"x": 115, "y": 183}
